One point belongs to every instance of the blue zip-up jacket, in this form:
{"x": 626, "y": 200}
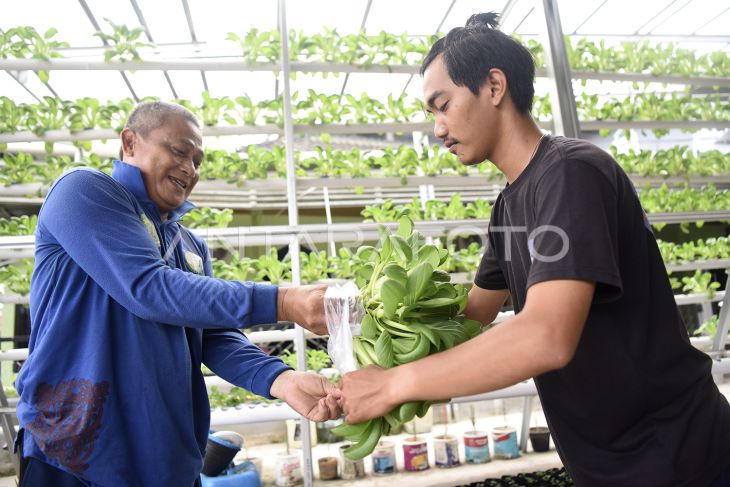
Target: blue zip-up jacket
{"x": 112, "y": 391}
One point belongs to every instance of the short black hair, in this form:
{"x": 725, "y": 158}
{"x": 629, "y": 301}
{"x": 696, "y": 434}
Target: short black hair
{"x": 148, "y": 115}
{"x": 471, "y": 51}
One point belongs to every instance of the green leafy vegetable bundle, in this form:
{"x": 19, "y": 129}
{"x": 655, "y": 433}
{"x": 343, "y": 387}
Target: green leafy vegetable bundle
{"x": 411, "y": 310}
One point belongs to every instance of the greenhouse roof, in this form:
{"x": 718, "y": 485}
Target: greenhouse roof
{"x": 197, "y": 29}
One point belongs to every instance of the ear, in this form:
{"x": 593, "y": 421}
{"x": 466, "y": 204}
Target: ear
{"x": 129, "y": 140}
{"x": 496, "y": 86}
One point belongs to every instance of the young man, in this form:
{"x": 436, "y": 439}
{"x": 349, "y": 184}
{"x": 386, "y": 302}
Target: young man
{"x": 124, "y": 309}
{"x": 629, "y": 401}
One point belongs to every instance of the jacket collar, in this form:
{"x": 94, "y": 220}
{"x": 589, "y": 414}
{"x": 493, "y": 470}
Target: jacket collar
{"x": 130, "y": 177}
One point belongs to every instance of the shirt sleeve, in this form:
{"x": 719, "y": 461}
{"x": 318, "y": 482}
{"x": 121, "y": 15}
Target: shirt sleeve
{"x": 576, "y": 231}
{"x": 489, "y": 274}
{"x": 231, "y": 356}
{"x": 96, "y": 223}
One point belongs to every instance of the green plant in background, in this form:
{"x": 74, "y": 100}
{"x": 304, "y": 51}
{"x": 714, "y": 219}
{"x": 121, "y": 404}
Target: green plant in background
{"x": 18, "y": 225}
{"x": 411, "y": 310}
{"x": 258, "y": 46}
{"x": 123, "y": 43}
{"x": 205, "y": 217}
{"x": 25, "y": 42}
{"x": 234, "y": 397}
{"x": 316, "y": 359}
{"x": 16, "y": 277}
{"x": 18, "y": 169}
{"x": 700, "y": 283}
{"x": 314, "y": 266}
{"x": 271, "y": 269}
{"x": 237, "y": 269}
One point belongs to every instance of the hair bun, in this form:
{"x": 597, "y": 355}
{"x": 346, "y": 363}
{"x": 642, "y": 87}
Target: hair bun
{"x": 487, "y": 20}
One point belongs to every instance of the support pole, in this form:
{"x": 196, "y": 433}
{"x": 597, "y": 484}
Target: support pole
{"x": 565, "y": 115}
{"x": 300, "y": 344}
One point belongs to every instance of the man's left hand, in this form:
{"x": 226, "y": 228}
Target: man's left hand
{"x": 309, "y": 394}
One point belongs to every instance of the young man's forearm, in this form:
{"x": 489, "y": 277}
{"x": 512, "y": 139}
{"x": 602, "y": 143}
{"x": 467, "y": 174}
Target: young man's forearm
{"x": 505, "y": 355}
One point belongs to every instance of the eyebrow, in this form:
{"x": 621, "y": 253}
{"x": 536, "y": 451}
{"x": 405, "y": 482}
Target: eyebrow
{"x": 432, "y": 98}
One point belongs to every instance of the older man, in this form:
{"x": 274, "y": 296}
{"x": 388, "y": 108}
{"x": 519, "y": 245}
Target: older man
{"x": 124, "y": 309}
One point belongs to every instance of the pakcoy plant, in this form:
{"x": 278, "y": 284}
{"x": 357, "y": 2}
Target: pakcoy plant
{"x": 411, "y": 310}
{"x": 123, "y": 43}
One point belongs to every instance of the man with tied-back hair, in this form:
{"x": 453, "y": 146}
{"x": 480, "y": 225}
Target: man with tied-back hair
{"x": 124, "y": 310}
{"x": 629, "y": 401}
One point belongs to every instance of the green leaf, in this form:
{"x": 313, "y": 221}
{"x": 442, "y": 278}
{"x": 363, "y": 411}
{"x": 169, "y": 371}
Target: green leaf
{"x": 405, "y": 227}
{"x": 392, "y": 293}
{"x": 368, "y": 327}
{"x": 430, "y": 254}
{"x": 438, "y": 302}
{"x": 43, "y": 75}
{"x": 397, "y": 273}
{"x": 384, "y": 351}
{"x": 418, "y": 281}
{"x": 402, "y": 248}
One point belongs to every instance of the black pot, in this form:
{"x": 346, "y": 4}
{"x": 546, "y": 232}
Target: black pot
{"x": 540, "y": 438}
{"x": 218, "y": 455}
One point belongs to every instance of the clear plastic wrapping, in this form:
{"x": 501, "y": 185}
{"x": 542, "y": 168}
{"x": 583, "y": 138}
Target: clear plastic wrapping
{"x": 343, "y": 312}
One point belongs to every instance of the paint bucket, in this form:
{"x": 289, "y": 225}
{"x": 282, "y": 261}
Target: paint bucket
{"x": 505, "y": 442}
{"x": 476, "y": 446}
{"x": 288, "y": 469}
{"x": 446, "y": 451}
{"x": 415, "y": 454}
{"x": 384, "y": 458}
{"x": 351, "y": 469}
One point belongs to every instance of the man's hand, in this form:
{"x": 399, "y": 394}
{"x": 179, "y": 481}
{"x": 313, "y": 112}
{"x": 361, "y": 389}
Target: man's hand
{"x": 303, "y": 305}
{"x": 309, "y": 394}
{"x": 368, "y": 393}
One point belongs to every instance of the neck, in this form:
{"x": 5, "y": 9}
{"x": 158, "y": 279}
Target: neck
{"x": 517, "y": 144}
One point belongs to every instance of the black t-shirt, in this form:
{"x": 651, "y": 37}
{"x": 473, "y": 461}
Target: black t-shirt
{"x": 637, "y": 405}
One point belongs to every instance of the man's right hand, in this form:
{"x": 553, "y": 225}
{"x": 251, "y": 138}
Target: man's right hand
{"x": 303, "y": 305}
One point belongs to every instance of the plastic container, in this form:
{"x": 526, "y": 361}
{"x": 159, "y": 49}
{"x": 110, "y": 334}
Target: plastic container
{"x": 288, "y": 469}
{"x": 505, "y": 442}
{"x": 384, "y": 458}
{"x": 415, "y": 454}
{"x": 476, "y": 446}
{"x": 351, "y": 469}
{"x": 446, "y": 451}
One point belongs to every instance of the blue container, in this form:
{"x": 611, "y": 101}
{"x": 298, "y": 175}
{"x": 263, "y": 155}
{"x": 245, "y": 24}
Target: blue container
{"x": 241, "y": 475}
{"x": 505, "y": 442}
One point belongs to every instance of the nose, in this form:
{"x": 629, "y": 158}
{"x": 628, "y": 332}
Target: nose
{"x": 439, "y": 128}
{"x": 188, "y": 166}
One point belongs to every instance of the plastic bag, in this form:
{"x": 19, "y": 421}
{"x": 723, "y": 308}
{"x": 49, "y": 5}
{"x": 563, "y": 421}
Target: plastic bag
{"x": 343, "y": 312}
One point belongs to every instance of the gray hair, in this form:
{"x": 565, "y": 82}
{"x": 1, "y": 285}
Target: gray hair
{"x": 149, "y": 115}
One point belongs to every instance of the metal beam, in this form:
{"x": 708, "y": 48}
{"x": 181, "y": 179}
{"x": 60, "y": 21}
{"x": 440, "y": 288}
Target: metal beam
{"x": 590, "y": 16}
{"x": 506, "y": 10}
{"x": 655, "y": 16}
{"x": 710, "y": 21}
{"x": 193, "y": 37}
{"x": 565, "y": 116}
{"x": 300, "y": 344}
{"x": 94, "y": 23}
{"x": 30, "y": 92}
{"x": 143, "y": 23}
{"x": 448, "y": 11}
{"x": 362, "y": 26}
{"x": 669, "y": 16}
